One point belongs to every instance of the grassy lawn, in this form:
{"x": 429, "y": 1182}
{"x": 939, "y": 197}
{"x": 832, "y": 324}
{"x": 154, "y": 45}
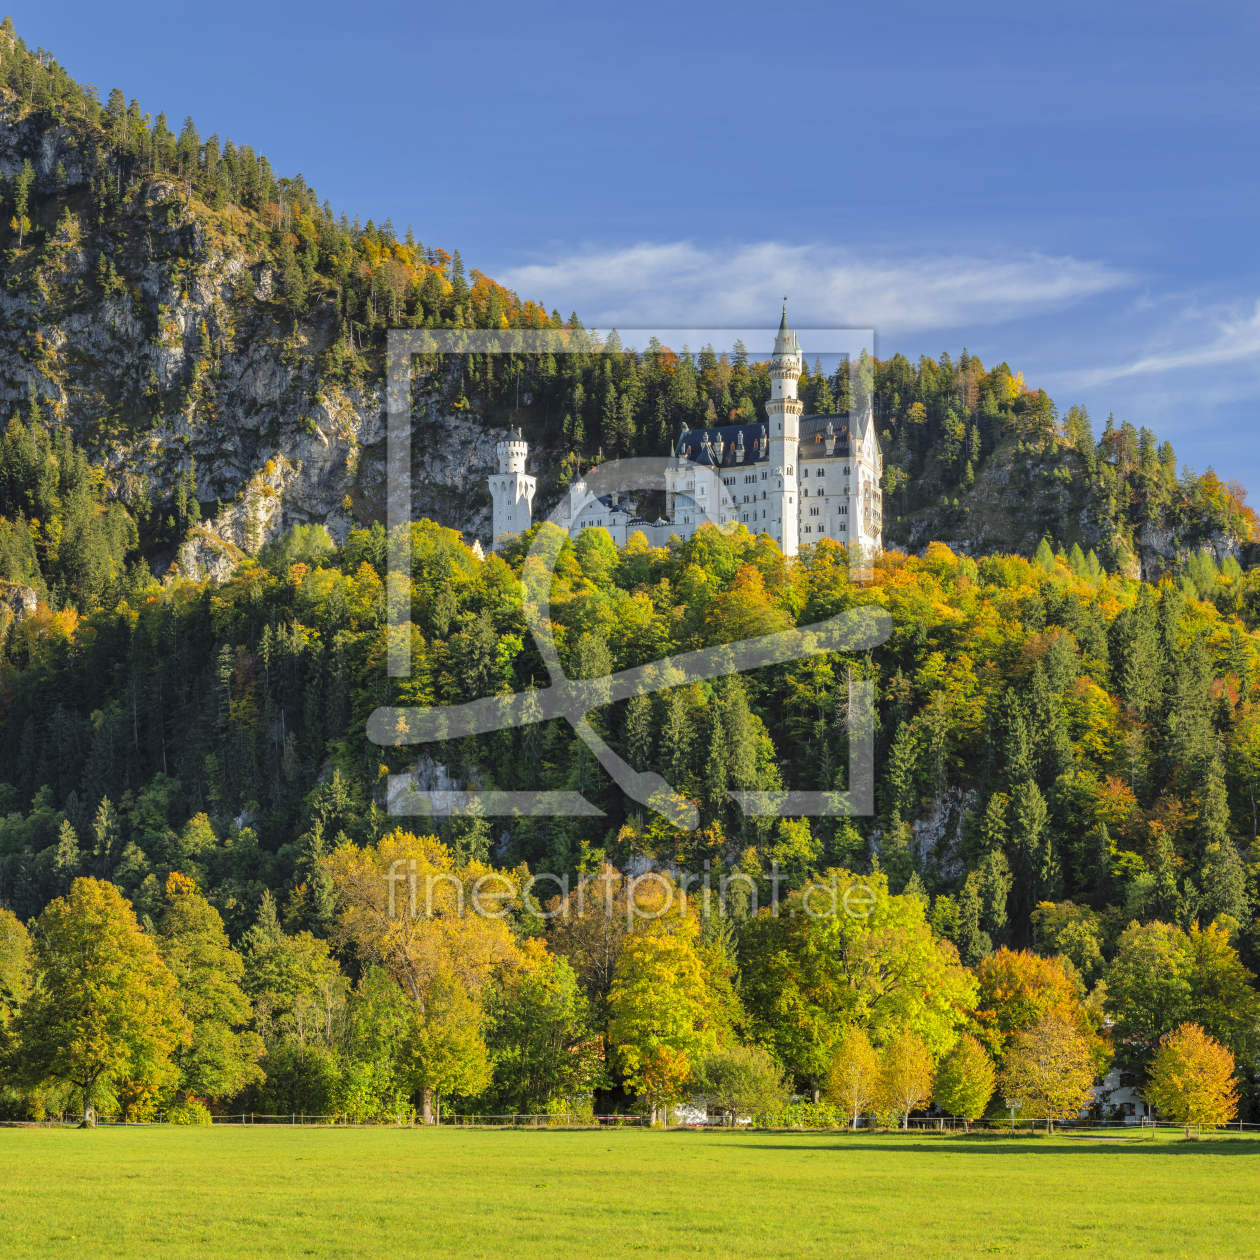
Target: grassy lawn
{"x": 379, "y": 1192}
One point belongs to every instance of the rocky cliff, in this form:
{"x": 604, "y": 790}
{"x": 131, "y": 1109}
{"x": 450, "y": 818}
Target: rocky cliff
{"x": 157, "y": 333}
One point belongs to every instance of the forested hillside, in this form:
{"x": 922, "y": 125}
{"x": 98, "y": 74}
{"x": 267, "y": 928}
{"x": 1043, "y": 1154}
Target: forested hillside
{"x": 211, "y": 334}
{"x": 192, "y": 637}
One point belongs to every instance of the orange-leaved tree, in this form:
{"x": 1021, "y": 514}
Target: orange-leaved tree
{"x": 1020, "y": 988}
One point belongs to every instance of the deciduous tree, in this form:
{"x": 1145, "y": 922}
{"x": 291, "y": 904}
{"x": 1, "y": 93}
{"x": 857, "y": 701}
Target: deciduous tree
{"x": 107, "y": 1007}
{"x": 905, "y": 1075}
{"x": 965, "y": 1079}
{"x": 1192, "y": 1078}
{"x": 1049, "y": 1066}
{"x": 853, "y": 1078}
{"x": 222, "y": 1056}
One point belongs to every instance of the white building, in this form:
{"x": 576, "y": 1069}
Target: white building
{"x": 798, "y": 478}
{"x": 512, "y": 489}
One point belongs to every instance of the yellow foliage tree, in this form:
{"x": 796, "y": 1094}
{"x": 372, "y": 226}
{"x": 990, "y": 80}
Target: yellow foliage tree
{"x": 854, "y": 1075}
{"x": 905, "y": 1075}
{"x": 1192, "y": 1078}
{"x": 440, "y": 931}
{"x": 662, "y": 1015}
{"x": 1050, "y": 1068}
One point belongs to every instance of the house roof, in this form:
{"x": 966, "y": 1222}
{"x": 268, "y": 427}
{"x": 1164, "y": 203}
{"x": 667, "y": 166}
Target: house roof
{"x": 719, "y": 446}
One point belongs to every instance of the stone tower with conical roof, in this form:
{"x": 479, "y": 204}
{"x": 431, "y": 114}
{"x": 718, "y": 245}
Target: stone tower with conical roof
{"x": 783, "y": 414}
{"x": 512, "y": 489}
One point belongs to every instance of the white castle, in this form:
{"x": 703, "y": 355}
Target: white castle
{"x": 797, "y": 478}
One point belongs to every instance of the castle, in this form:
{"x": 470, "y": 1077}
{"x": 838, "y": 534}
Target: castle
{"x": 797, "y": 478}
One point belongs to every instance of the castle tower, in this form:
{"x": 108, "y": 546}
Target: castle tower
{"x": 783, "y": 411}
{"x": 511, "y": 489}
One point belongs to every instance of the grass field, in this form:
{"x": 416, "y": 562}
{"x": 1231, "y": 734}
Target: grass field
{"x": 401, "y": 1193}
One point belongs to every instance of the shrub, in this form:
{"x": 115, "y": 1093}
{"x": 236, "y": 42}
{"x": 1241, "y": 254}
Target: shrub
{"x": 190, "y": 1111}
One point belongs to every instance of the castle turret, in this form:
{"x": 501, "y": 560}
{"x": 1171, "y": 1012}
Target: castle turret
{"x": 783, "y": 412}
{"x": 511, "y": 489}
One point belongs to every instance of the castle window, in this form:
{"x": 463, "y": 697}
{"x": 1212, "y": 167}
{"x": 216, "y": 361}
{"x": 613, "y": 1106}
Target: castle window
{"x": 821, "y": 471}
{"x": 763, "y": 476}
{"x": 808, "y": 530}
{"x": 804, "y": 472}
{"x": 813, "y": 511}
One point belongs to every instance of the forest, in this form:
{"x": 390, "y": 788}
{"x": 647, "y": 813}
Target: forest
{"x": 1067, "y": 756}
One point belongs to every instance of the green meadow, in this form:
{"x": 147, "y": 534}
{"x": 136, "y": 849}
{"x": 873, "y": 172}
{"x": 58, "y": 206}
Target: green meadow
{"x": 465, "y": 1193}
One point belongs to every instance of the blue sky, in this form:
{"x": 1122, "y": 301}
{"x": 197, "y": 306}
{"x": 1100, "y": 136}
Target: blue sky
{"x": 1070, "y": 188}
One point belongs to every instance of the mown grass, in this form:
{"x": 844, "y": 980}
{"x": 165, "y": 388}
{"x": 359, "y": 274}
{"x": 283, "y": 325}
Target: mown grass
{"x": 465, "y": 1193}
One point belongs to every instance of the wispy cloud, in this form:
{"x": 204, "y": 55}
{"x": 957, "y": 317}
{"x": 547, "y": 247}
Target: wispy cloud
{"x": 1231, "y": 337}
{"x": 680, "y": 283}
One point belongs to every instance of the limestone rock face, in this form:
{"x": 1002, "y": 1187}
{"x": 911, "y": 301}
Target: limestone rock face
{"x": 189, "y": 354}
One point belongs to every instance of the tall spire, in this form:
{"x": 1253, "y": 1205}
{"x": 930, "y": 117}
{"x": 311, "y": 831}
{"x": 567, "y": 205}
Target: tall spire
{"x": 784, "y": 342}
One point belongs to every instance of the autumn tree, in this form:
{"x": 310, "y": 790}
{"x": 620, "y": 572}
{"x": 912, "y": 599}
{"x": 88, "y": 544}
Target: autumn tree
{"x": 106, "y": 1010}
{"x": 1017, "y": 989}
{"x": 853, "y": 1077}
{"x": 662, "y": 1016}
{"x": 1049, "y": 1066}
{"x": 1163, "y": 977}
{"x": 16, "y": 973}
{"x": 815, "y": 970}
{"x": 440, "y": 931}
{"x": 447, "y": 1053}
{"x": 740, "y": 1081}
{"x": 905, "y": 1075}
{"x": 964, "y": 1080}
{"x": 1192, "y": 1078}
{"x": 222, "y": 1056}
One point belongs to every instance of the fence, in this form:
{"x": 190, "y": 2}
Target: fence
{"x": 580, "y": 1120}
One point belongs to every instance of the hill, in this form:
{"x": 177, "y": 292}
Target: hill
{"x": 211, "y": 335}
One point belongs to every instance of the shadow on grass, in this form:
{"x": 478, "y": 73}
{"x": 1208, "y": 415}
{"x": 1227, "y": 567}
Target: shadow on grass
{"x": 992, "y": 1144}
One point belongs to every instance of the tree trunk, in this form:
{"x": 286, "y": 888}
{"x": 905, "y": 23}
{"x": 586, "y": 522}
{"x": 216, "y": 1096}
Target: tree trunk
{"x": 426, "y": 1106}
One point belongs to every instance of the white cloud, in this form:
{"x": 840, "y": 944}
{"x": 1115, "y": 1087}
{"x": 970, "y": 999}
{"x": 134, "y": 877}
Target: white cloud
{"x": 1234, "y": 339}
{"x": 680, "y": 284}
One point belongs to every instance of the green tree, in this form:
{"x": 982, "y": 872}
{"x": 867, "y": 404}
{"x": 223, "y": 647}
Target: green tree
{"x": 106, "y": 1009}
{"x": 448, "y": 1054}
{"x": 740, "y": 1081}
{"x": 21, "y": 223}
{"x": 540, "y": 1038}
{"x": 221, "y": 1059}
{"x": 964, "y": 1080}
